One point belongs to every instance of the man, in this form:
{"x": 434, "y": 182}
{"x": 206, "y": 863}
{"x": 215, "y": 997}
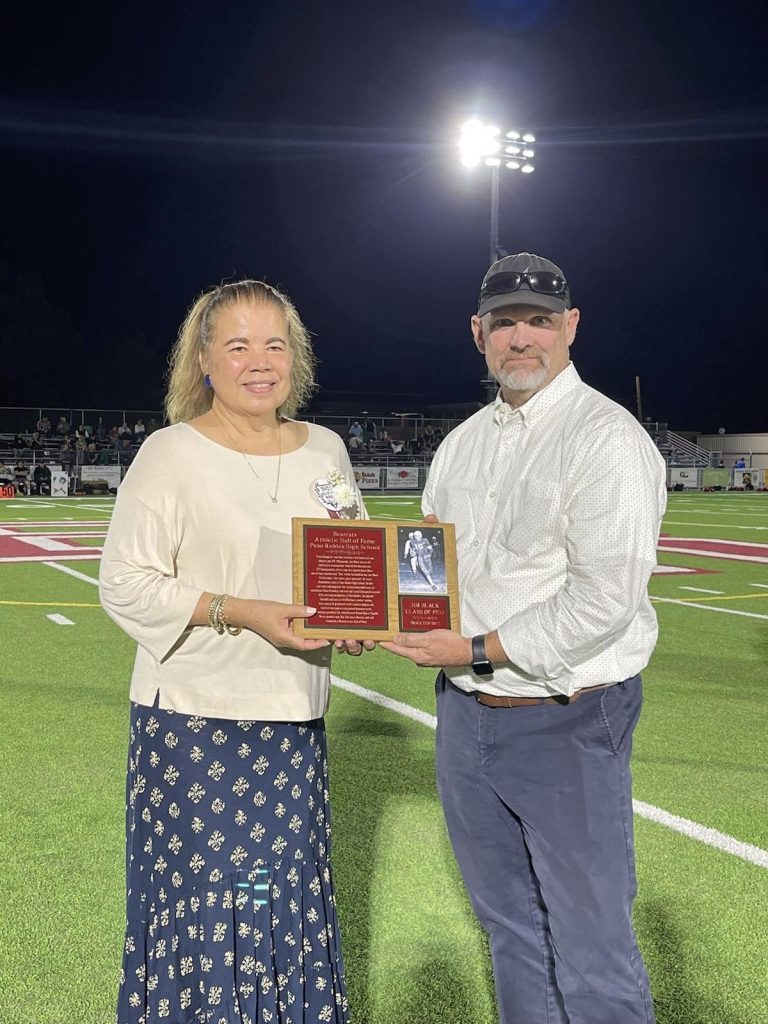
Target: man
{"x": 420, "y": 551}
{"x": 557, "y": 494}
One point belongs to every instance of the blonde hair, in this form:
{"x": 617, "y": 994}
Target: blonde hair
{"x": 187, "y": 395}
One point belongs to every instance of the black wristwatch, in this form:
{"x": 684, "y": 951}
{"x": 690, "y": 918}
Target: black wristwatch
{"x": 480, "y": 664}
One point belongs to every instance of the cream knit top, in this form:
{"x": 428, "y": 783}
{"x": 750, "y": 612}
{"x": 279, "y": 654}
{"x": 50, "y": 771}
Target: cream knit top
{"x": 190, "y": 517}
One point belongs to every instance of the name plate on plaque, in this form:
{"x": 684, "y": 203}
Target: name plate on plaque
{"x": 370, "y": 579}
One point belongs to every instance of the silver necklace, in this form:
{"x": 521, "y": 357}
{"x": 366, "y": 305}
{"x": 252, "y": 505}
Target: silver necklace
{"x": 272, "y": 497}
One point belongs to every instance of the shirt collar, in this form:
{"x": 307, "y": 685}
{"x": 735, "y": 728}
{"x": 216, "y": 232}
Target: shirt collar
{"x": 540, "y": 403}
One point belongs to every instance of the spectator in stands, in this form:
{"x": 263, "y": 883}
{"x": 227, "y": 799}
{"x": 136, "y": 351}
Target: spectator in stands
{"x": 356, "y": 445}
{"x": 35, "y": 442}
{"x": 206, "y": 512}
{"x": 67, "y": 455}
{"x": 740, "y": 463}
{"x": 105, "y": 455}
{"x": 153, "y": 425}
{"x": 557, "y": 494}
{"x": 21, "y": 478}
{"x": 370, "y": 431}
{"x": 356, "y": 430}
{"x": 91, "y": 454}
{"x": 101, "y": 430}
{"x": 62, "y": 427}
{"x": 124, "y": 431}
{"x": 396, "y": 445}
{"x": 139, "y": 430}
{"x": 125, "y": 452}
{"x": 6, "y": 473}
{"x": 41, "y": 478}
{"x": 114, "y": 436}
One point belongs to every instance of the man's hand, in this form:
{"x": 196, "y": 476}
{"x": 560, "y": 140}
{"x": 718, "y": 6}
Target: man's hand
{"x": 353, "y": 647}
{"x": 439, "y": 648}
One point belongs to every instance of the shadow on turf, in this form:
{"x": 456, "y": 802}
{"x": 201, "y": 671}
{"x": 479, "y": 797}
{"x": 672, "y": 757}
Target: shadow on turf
{"x": 676, "y": 998}
{"x": 429, "y": 990}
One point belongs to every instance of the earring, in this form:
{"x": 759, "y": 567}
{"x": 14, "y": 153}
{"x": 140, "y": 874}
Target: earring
{"x": 207, "y": 380}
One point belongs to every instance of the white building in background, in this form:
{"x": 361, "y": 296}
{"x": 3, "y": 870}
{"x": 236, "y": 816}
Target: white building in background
{"x": 753, "y": 448}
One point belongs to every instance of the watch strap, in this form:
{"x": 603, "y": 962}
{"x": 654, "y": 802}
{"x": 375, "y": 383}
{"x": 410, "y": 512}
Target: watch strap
{"x": 481, "y": 666}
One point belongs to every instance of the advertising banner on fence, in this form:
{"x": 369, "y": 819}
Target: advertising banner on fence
{"x": 367, "y": 478}
{"x": 715, "y": 478}
{"x": 749, "y": 479}
{"x": 688, "y": 476}
{"x": 101, "y": 478}
{"x": 401, "y": 478}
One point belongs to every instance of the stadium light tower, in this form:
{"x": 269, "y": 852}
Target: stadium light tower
{"x": 486, "y": 145}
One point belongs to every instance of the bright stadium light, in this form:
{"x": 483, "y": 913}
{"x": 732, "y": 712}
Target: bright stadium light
{"x": 477, "y": 141}
{"x": 480, "y": 145}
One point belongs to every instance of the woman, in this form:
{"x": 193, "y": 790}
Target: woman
{"x": 230, "y": 908}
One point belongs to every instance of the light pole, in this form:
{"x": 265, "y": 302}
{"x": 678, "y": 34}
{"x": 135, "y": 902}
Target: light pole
{"x": 481, "y": 143}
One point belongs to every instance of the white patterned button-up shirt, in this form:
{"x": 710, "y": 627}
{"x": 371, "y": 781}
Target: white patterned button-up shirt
{"x": 557, "y": 506}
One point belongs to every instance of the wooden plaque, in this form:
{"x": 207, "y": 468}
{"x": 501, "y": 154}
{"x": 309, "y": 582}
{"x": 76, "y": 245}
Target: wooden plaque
{"x": 370, "y": 578}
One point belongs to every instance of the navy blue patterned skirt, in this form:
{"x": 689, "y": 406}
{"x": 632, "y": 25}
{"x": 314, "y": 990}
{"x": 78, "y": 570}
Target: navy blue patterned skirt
{"x": 231, "y": 917}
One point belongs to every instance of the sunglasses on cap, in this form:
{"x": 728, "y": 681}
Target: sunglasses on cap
{"x": 542, "y": 281}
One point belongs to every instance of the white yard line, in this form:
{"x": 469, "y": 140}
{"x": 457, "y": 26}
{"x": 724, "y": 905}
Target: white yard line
{"x": 712, "y": 526}
{"x": 709, "y": 553}
{"x": 72, "y": 572}
{"x": 763, "y": 586}
{"x": 762, "y": 512}
{"x": 60, "y": 620}
{"x": 692, "y": 829}
{"x": 707, "y": 607}
{"x": 702, "y": 590}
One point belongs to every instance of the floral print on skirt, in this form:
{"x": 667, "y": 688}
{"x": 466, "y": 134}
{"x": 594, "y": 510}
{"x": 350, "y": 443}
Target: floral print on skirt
{"x": 231, "y": 914}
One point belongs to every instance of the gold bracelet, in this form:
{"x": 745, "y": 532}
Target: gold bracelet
{"x": 214, "y": 613}
{"x": 211, "y": 608}
{"x": 232, "y": 630}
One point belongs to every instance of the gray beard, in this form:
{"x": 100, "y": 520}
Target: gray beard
{"x": 522, "y": 380}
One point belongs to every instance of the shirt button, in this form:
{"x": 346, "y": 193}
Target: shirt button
{"x": 476, "y": 544}
{"x": 491, "y": 494}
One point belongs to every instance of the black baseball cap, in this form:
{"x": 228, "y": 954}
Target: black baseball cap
{"x": 524, "y": 279}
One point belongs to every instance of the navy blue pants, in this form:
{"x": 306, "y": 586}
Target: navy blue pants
{"x": 538, "y": 805}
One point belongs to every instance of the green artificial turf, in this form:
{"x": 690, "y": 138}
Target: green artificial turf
{"x": 413, "y": 950}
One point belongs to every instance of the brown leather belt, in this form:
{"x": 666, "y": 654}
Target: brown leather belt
{"x": 490, "y": 700}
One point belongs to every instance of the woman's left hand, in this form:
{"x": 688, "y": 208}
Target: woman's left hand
{"x": 353, "y": 646}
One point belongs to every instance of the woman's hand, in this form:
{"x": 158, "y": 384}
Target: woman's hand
{"x": 271, "y": 619}
{"x": 274, "y": 621}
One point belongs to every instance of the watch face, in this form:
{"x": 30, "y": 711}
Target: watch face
{"x": 482, "y": 668}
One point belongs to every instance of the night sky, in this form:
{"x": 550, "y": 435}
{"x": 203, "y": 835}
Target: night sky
{"x": 152, "y": 150}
